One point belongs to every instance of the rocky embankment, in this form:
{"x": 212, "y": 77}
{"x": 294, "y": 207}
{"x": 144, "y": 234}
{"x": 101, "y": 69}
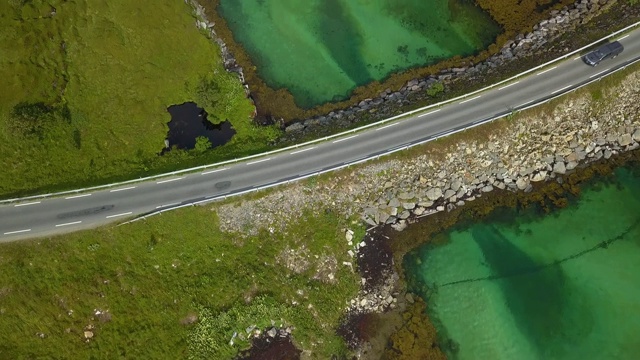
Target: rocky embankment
{"x": 389, "y": 102}
{"x": 544, "y": 144}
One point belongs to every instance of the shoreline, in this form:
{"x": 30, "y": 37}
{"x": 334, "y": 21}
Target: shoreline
{"x": 527, "y": 148}
{"x": 393, "y": 341}
{"x": 525, "y": 42}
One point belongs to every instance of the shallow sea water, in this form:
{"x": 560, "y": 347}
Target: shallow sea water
{"x": 523, "y": 285}
{"x": 320, "y": 50}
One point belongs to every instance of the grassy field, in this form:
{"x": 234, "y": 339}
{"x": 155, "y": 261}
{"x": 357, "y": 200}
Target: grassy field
{"x": 148, "y": 278}
{"x": 85, "y": 86}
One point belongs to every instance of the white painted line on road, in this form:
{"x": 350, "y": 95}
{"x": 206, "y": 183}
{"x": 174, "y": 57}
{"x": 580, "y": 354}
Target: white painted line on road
{"x": 213, "y": 171}
{"x": 77, "y": 196}
{"x": 303, "y": 150}
{"x": 170, "y": 180}
{"x": 17, "y": 232}
{"x": 167, "y": 205}
{"x": 594, "y": 75}
{"x": 504, "y": 87}
{"x": 462, "y": 102}
{"x": 67, "y": 224}
{"x": 624, "y": 37}
{"x": 347, "y": 138}
{"x": 542, "y": 72}
{"x": 388, "y": 126}
{"x": 429, "y": 113}
{"x": 123, "y": 189}
{"x": 259, "y": 161}
{"x": 27, "y": 204}
{"x": 564, "y": 88}
{"x": 123, "y": 214}
{"x": 577, "y": 58}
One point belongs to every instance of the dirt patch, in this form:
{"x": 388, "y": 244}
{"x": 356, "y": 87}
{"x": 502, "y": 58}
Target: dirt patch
{"x": 375, "y": 259}
{"x": 267, "y": 348}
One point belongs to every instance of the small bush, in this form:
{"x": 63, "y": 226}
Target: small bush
{"x": 435, "y": 89}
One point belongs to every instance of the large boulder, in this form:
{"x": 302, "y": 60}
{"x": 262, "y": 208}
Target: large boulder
{"x": 434, "y": 194}
{"x": 559, "y": 168}
{"x": 625, "y": 140}
{"x": 522, "y": 183}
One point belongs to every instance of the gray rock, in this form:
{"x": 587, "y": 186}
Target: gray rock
{"x": 571, "y": 165}
{"x": 540, "y": 176}
{"x": 272, "y": 332}
{"x": 522, "y": 183}
{"x": 449, "y": 193}
{"x": 434, "y": 194}
{"x": 455, "y": 185}
{"x": 394, "y": 203}
{"x": 418, "y": 211}
{"x": 425, "y": 204}
{"x": 460, "y": 203}
{"x": 406, "y": 195}
{"x": 607, "y": 153}
{"x": 625, "y": 140}
{"x": 487, "y": 188}
{"x": 559, "y": 168}
{"x": 636, "y": 135}
{"x": 409, "y": 205}
{"x": 295, "y": 127}
{"x": 404, "y": 215}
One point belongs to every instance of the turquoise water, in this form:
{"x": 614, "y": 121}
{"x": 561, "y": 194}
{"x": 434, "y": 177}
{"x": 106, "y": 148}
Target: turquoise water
{"x": 320, "y": 50}
{"x": 527, "y": 286}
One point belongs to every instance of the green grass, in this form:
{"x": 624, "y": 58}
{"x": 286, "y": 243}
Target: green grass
{"x": 151, "y": 275}
{"x": 113, "y": 67}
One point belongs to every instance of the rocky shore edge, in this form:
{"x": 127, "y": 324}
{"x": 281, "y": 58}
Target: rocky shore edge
{"x": 545, "y": 146}
{"x": 389, "y": 102}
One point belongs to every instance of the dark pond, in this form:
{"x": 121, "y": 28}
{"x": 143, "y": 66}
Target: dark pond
{"x": 188, "y": 122}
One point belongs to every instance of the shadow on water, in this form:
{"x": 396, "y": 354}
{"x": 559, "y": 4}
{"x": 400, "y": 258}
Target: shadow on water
{"x": 536, "y": 299}
{"x": 189, "y": 122}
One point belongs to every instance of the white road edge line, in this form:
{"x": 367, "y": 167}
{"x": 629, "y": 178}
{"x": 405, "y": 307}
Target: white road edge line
{"x": 167, "y": 205}
{"x": 67, "y": 224}
{"x": 564, "y": 88}
{"x": 504, "y": 87}
{"x": 27, "y": 204}
{"x": 462, "y": 102}
{"x": 170, "y": 180}
{"x": 303, "y": 150}
{"x": 347, "y": 138}
{"x": 521, "y": 105}
{"x": 259, "y": 161}
{"x": 123, "y": 189}
{"x": 429, "y": 113}
{"x": 123, "y": 214}
{"x": 76, "y": 196}
{"x": 624, "y": 37}
{"x": 213, "y": 171}
{"x": 542, "y": 72}
{"x": 17, "y": 232}
{"x": 387, "y": 126}
{"x": 576, "y": 58}
{"x": 594, "y": 75}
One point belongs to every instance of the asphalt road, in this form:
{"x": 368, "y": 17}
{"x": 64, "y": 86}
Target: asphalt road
{"x": 49, "y": 216}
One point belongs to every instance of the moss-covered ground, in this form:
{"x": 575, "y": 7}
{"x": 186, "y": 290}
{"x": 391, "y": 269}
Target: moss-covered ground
{"x": 85, "y": 87}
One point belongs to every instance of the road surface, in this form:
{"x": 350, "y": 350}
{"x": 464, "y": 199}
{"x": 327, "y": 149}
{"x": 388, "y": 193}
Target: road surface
{"x": 47, "y": 216}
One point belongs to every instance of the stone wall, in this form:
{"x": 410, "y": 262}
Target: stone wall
{"x": 389, "y": 102}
